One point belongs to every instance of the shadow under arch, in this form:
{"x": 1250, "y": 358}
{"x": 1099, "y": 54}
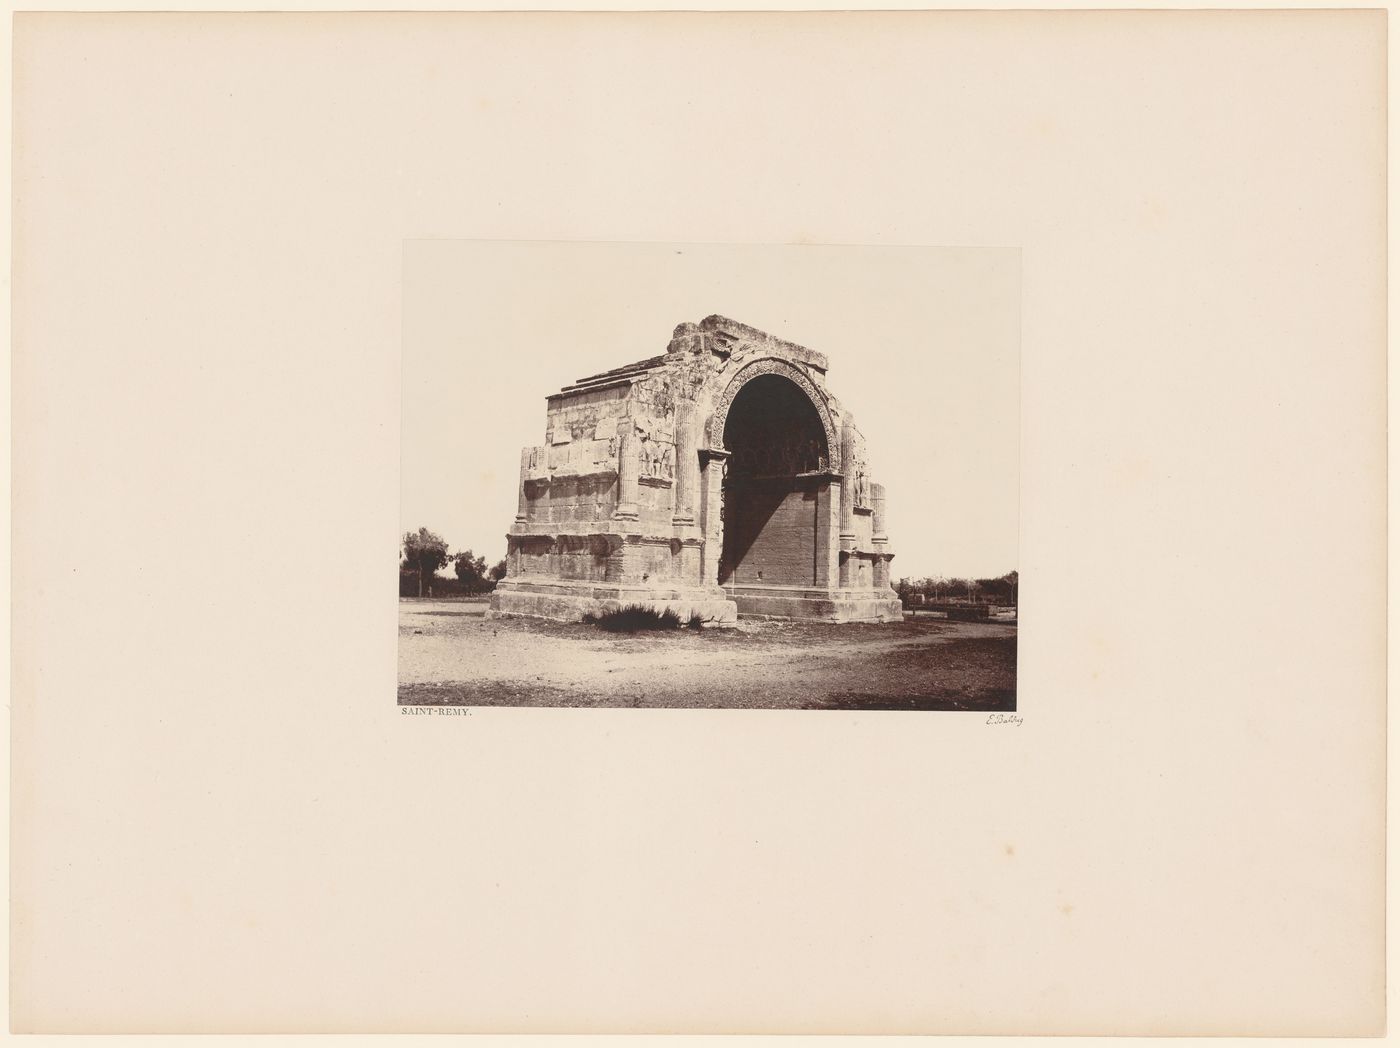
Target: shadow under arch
{"x": 779, "y": 465}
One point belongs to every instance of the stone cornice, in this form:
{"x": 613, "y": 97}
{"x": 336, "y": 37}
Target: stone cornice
{"x": 724, "y": 329}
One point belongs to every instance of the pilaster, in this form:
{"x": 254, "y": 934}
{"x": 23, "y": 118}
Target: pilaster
{"x": 628, "y": 470}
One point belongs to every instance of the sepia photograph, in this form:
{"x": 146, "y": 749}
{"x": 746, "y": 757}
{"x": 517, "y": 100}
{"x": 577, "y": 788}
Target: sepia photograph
{"x": 732, "y": 476}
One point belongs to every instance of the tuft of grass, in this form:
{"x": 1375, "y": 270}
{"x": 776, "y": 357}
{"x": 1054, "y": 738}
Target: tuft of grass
{"x": 696, "y": 621}
{"x": 633, "y": 618}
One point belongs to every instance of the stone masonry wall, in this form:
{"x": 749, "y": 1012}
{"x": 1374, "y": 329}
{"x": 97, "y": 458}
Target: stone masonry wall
{"x": 776, "y": 539}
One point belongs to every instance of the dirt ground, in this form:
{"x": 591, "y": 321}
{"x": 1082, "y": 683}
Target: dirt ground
{"x": 451, "y": 654}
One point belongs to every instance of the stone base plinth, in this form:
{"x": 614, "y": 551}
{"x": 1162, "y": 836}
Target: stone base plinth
{"x": 819, "y": 605}
{"x": 567, "y": 601}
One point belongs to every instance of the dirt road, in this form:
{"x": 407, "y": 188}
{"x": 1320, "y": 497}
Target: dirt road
{"x": 450, "y": 654}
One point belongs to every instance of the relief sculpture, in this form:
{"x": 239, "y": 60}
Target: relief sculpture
{"x": 657, "y": 459}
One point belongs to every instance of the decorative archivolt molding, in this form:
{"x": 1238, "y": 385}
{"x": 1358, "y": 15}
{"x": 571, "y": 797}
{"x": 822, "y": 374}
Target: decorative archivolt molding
{"x": 714, "y": 428}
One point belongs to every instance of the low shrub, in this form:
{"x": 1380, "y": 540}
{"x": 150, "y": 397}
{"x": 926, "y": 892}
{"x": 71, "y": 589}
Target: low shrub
{"x": 635, "y": 617}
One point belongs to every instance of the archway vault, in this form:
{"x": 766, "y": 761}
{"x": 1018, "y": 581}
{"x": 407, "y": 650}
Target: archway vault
{"x": 714, "y": 427}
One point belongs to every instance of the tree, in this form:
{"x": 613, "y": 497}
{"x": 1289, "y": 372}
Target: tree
{"x": 931, "y": 588}
{"x": 1002, "y": 589}
{"x": 996, "y": 588}
{"x": 498, "y": 570}
{"x": 470, "y": 570}
{"x": 424, "y": 553}
{"x": 904, "y": 591}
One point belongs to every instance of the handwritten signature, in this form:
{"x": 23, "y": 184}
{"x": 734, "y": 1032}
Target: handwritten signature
{"x": 1005, "y": 718}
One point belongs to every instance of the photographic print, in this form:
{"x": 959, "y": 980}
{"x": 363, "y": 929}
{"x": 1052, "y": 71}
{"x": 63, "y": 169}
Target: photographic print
{"x": 615, "y": 495}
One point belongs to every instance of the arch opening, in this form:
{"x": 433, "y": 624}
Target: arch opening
{"x": 776, "y": 489}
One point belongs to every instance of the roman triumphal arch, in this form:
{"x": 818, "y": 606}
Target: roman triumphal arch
{"x": 720, "y": 478}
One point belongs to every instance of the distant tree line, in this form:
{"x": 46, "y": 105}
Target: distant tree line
{"x": 424, "y": 553}
{"x": 1001, "y": 591}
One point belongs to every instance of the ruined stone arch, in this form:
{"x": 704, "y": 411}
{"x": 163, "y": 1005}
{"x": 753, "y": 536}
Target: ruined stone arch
{"x": 679, "y": 481}
{"x": 714, "y": 426}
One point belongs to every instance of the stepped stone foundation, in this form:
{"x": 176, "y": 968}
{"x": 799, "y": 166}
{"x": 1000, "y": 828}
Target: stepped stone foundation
{"x": 718, "y": 479}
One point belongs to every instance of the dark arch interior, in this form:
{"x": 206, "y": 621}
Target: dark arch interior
{"x": 773, "y": 429}
{"x": 778, "y": 455}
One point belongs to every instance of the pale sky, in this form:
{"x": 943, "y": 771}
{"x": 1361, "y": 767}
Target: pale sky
{"x": 923, "y": 347}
